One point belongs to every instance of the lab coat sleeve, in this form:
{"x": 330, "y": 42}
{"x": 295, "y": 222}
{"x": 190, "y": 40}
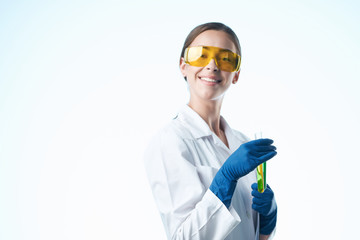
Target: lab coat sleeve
{"x": 188, "y": 209}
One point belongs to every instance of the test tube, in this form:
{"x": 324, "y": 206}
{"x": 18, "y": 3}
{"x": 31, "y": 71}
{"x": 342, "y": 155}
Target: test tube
{"x": 261, "y": 170}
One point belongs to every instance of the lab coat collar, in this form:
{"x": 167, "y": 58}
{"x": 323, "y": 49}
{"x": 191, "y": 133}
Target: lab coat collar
{"x": 199, "y": 127}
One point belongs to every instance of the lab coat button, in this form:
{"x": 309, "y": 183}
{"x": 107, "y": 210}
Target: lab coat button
{"x": 248, "y": 214}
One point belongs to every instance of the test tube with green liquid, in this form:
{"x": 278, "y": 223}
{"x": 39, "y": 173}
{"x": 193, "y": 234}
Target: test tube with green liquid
{"x": 261, "y": 170}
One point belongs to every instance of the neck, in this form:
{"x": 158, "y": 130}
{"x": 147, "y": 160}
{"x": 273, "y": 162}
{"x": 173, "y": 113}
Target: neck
{"x": 209, "y": 111}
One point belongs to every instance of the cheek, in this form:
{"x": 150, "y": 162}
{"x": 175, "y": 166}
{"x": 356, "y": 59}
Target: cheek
{"x": 192, "y": 71}
{"x": 229, "y": 77}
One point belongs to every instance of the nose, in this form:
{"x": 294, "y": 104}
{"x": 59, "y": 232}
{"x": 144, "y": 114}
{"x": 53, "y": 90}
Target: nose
{"x": 212, "y": 65}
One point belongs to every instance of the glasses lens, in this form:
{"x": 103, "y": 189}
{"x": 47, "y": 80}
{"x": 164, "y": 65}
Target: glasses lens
{"x": 226, "y": 60}
{"x": 196, "y": 56}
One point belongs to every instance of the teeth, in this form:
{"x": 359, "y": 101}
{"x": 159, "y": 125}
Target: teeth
{"x": 209, "y": 80}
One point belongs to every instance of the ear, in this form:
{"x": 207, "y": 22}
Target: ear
{"x": 183, "y": 67}
{"x": 236, "y": 77}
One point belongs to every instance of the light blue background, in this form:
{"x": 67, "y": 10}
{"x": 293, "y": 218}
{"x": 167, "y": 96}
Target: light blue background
{"x": 85, "y": 84}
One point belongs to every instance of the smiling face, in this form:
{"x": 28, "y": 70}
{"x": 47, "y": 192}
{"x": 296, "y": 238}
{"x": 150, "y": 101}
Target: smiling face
{"x": 209, "y": 83}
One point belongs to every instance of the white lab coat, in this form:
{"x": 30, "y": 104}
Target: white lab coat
{"x": 181, "y": 162}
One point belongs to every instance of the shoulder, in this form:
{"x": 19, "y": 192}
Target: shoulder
{"x": 170, "y": 140}
{"x": 173, "y": 132}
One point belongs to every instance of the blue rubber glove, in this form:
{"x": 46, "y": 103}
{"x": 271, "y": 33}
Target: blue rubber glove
{"x": 244, "y": 160}
{"x": 265, "y": 204}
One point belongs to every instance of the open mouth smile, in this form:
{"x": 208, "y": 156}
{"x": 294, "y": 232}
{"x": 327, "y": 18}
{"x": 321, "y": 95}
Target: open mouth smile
{"x": 209, "y": 80}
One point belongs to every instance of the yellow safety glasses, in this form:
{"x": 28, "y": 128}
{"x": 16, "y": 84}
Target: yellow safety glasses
{"x": 200, "y": 56}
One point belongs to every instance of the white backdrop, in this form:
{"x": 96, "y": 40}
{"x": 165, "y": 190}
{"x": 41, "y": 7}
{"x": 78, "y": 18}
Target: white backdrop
{"x": 85, "y": 84}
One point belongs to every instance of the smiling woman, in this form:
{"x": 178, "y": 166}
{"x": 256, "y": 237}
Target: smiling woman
{"x": 210, "y": 72}
{"x": 202, "y": 172}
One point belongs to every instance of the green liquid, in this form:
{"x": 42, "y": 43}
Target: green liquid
{"x": 261, "y": 178}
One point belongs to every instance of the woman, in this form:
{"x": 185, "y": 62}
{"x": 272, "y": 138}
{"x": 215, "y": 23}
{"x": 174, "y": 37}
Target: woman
{"x": 202, "y": 172}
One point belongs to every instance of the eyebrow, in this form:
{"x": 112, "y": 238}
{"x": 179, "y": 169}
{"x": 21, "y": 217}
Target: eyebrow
{"x": 221, "y": 49}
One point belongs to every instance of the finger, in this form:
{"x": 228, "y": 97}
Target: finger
{"x": 263, "y": 148}
{"x": 255, "y": 193}
{"x": 268, "y": 194}
{"x": 259, "y": 158}
{"x": 258, "y": 155}
{"x": 268, "y": 190}
{"x": 259, "y": 201}
{"x": 267, "y": 156}
{"x": 262, "y": 142}
{"x": 254, "y": 187}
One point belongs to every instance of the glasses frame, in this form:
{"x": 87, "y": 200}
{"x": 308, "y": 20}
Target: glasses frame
{"x": 237, "y": 56}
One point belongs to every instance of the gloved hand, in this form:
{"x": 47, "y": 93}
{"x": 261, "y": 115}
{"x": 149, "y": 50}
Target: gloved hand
{"x": 245, "y": 159}
{"x": 265, "y": 204}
